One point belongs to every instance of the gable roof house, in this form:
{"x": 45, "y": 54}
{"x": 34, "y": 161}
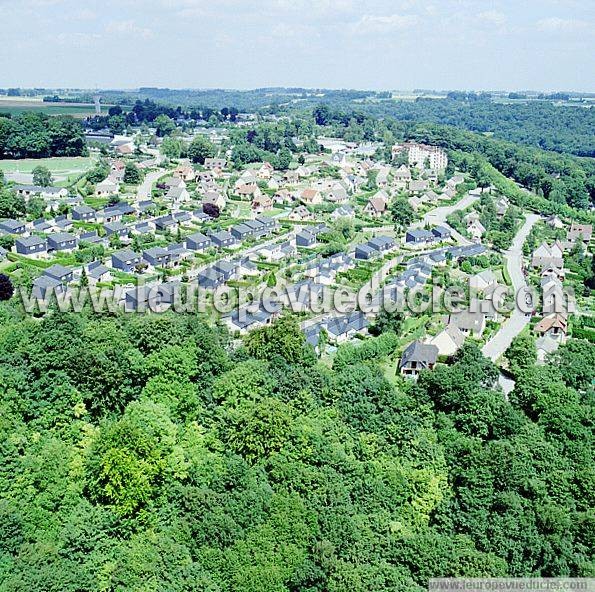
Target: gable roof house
{"x": 305, "y": 239}
{"x": 468, "y": 322}
{"x": 197, "y": 242}
{"x": 62, "y": 241}
{"x": 300, "y": 214}
{"x": 343, "y": 328}
{"x": 418, "y": 356}
{"x": 116, "y": 228}
{"x": 214, "y": 198}
{"x": 83, "y": 213}
{"x": 262, "y": 203}
{"x": 106, "y": 187}
{"x": 375, "y": 207}
{"x": 222, "y": 239}
{"x": 554, "y": 325}
{"x": 546, "y": 256}
{"x": 98, "y": 272}
{"x": 215, "y": 163}
{"x": 585, "y": 231}
{"x": 11, "y": 226}
{"x": 449, "y": 340}
{"x": 178, "y": 194}
{"x": 311, "y": 196}
{"x": 31, "y": 246}
{"x": 476, "y": 229}
{"x": 126, "y": 260}
{"x": 480, "y": 281}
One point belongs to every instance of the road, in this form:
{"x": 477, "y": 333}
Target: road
{"x": 144, "y": 189}
{"x": 518, "y": 320}
{"x": 438, "y": 215}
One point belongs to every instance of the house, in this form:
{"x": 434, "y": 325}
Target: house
{"x": 480, "y": 281}
{"x": 156, "y": 256}
{"x": 418, "y": 356}
{"x": 343, "y": 212}
{"x": 178, "y": 195}
{"x": 415, "y": 202}
{"x": 62, "y": 223}
{"x": 60, "y": 273}
{"x": 449, "y": 341}
{"x": 375, "y": 207}
{"x": 270, "y": 224}
{"x": 42, "y": 225}
{"x": 418, "y": 236}
{"x": 343, "y": 328}
{"x": 584, "y": 231}
{"x": 476, "y": 229}
{"x": 166, "y": 223}
{"x": 305, "y": 239}
{"x": 174, "y": 182}
{"x": 44, "y": 286}
{"x": 28, "y": 191}
{"x": 110, "y": 215}
{"x": 300, "y": 214}
{"x": 554, "y": 221}
{"x": 262, "y": 203}
{"x": 228, "y": 269}
{"x": 502, "y": 205}
{"x": 311, "y": 196}
{"x": 222, "y": 239}
{"x": 469, "y": 322}
{"x": 32, "y": 246}
{"x": 62, "y": 241}
{"x": 182, "y": 217}
{"x": 11, "y": 226}
{"x": 98, "y": 272}
{"x": 146, "y": 206}
{"x": 126, "y": 260}
{"x": 152, "y": 298}
{"x": 382, "y": 244}
{"x": 177, "y": 253}
{"x": 554, "y": 325}
{"x": 93, "y": 238}
{"x": 106, "y": 187}
{"x": 215, "y": 163}
{"x": 116, "y": 228}
{"x": 210, "y": 279}
{"x": 83, "y": 213}
{"x": 143, "y": 228}
{"x": 338, "y": 195}
{"x": 185, "y": 172}
{"x": 265, "y": 171}
{"x": 241, "y": 232}
{"x": 364, "y": 251}
{"x": 402, "y": 177}
{"x": 441, "y": 233}
{"x": 214, "y": 198}
{"x": 552, "y": 295}
{"x": 546, "y": 256}
{"x": 418, "y": 186}
{"x": 249, "y": 191}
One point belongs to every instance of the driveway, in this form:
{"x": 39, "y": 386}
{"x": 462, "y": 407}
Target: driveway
{"x": 518, "y": 320}
{"x": 144, "y": 189}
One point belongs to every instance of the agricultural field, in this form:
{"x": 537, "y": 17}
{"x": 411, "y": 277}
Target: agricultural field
{"x": 64, "y": 169}
{"x": 16, "y": 106}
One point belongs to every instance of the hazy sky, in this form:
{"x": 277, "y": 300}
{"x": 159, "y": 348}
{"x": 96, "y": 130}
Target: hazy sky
{"x": 371, "y": 44}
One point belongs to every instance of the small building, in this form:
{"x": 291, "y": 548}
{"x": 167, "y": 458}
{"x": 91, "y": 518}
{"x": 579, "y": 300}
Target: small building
{"x": 418, "y": 356}
{"x": 364, "y": 251}
{"x": 11, "y": 226}
{"x": 83, "y": 213}
{"x": 126, "y": 260}
{"x": 115, "y": 228}
{"x": 375, "y": 207}
{"x": 156, "y": 256}
{"x": 449, "y": 341}
{"x": 469, "y": 322}
{"x": 31, "y": 246}
{"x": 441, "y": 233}
{"x": 305, "y": 239}
{"x": 222, "y": 239}
{"x": 554, "y": 325}
{"x": 62, "y": 241}
{"x": 197, "y": 242}
{"x": 59, "y": 272}
{"x": 584, "y": 231}
{"x": 418, "y": 236}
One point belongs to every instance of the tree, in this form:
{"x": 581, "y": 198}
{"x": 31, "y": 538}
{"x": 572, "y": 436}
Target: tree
{"x": 173, "y": 147}
{"x": 6, "y": 287}
{"x": 201, "y": 148}
{"x": 402, "y": 212}
{"x": 211, "y": 209}
{"x": 11, "y": 204}
{"x": 42, "y": 176}
{"x": 164, "y": 125}
{"x": 522, "y": 353}
{"x": 132, "y": 174}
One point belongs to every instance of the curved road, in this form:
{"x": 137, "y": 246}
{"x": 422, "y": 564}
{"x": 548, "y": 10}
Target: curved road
{"x": 518, "y": 320}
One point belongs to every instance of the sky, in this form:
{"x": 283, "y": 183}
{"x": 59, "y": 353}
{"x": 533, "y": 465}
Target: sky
{"x": 539, "y": 45}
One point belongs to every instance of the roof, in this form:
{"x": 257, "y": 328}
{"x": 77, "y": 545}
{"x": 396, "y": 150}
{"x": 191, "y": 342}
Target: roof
{"x": 423, "y": 353}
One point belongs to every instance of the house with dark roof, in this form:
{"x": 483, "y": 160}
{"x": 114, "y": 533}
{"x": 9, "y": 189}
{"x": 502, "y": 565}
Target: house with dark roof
{"x": 305, "y": 239}
{"x": 59, "y": 272}
{"x": 418, "y": 356}
{"x": 222, "y": 239}
{"x": 418, "y": 236}
{"x": 441, "y": 233}
{"x": 156, "y": 256}
{"x": 382, "y": 244}
{"x": 98, "y": 272}
{"x": 166, "y": 223}
{"x": 11, "y": 226}
{"x": 364, "y": 251}
{"x": 31, "y": 246}
{"x": 44, "y": 286}
{"x": 343, "y": 328}
{"x": 210, "y": 279}
{"x": 126, "y": 260}
{"x": 83, "y": 213}
{"x": 197, "y": 242}
{"x": 62, "y": 241}
{"x": 116, "y": 228}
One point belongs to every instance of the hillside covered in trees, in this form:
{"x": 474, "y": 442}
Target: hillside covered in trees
{"x": 147, "y": 453}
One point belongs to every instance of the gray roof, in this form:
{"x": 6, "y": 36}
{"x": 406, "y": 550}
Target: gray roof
{"x": 423, "y": 353}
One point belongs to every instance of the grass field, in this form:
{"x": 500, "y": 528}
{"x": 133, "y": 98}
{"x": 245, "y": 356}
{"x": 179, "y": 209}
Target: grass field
{"x": 58, "y": 165}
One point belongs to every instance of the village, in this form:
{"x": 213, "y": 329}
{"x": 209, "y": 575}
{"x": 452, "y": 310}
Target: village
{"x": 336, "y": 218}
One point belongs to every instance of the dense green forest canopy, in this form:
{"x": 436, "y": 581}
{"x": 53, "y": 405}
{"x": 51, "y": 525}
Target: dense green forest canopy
{"x": 35, "y": 135}
{"x": 145, "y": 452}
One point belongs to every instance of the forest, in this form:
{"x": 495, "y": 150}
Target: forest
{"x": 35, "y": 135}
{"x": 151, "y": 453}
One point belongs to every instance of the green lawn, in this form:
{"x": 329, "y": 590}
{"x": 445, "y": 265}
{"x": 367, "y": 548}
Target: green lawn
{"x": 58, "y": 165}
